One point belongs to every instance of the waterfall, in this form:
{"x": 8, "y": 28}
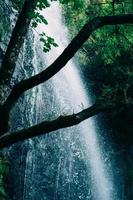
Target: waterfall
{"x": 70, "y": 163}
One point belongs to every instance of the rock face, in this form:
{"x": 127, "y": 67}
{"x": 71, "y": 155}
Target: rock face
{"x": 8, "y": 16}
{"x": 17, "y": 154}
{"x": 4, "y": 171}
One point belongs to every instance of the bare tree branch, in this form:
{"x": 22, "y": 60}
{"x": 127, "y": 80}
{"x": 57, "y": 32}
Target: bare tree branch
{"x": 16, "y": 42}
{"x": 48, "y": 126}
{"x": 67, "y": 54}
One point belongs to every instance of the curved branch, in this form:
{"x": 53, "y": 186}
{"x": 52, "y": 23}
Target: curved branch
{"x": 48, "y": 126}
{"x": 67, "y": 54}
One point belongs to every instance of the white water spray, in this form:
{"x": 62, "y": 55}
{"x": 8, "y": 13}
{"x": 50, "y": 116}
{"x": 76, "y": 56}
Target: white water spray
{"x": 70, "y": 92}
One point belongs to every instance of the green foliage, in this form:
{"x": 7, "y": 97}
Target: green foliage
{"x": 41, "y": 4}
{"x": 47, "y": 41}
{"x": 117, "y": 80}
{"x": 107, "y": 47}
{"x": 35, "y": 15}
{"x": 112, "y": 40}
{"x": 38, "y": 18}
{"x": 76, "y": 5}
{"x": 75, "y": 14}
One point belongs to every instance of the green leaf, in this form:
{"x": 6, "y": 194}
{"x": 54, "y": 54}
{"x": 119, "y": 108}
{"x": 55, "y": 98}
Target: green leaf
{"x": 54, "y": 44}
{"x": 34, "y": 24}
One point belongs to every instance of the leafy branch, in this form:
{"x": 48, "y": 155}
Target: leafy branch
{"x": 47, "y": 41}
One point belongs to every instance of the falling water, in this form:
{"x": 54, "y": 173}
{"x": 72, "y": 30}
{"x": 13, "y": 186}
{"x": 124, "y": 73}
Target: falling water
{"x": 67, "y": 164}
{"x": 70, "y": 94}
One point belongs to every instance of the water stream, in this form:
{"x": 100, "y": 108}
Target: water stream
{"x": 68, "y": 164}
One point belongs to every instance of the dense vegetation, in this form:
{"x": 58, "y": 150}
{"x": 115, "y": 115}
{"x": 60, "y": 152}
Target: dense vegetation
{"x": 109, "y": 49}
{"x": 106, "y": 58}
